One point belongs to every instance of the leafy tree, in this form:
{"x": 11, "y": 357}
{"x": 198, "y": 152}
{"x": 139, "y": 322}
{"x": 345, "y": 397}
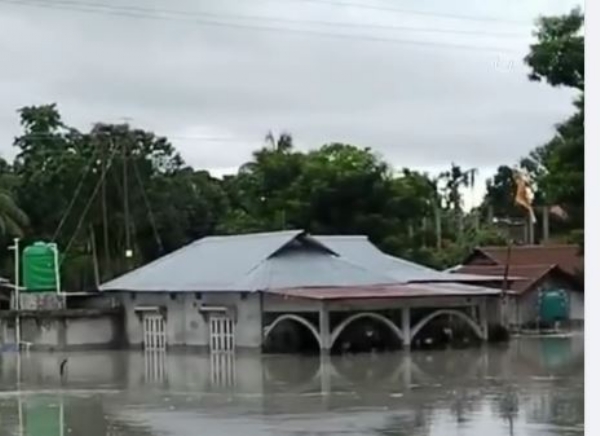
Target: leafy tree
{"x": 345, "y": 189}
{"x": 500, "y": 194}
{"x": 453, "y": 181}
{"x": 558, "y": 55}
{"x": 558, "y": 166}
{"x": 77, "y": 186}
{"x": 261, "y": 194}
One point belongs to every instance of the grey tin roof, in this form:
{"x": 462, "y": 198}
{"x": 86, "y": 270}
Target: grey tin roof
{"x": 305, "y": 267}
{"x": 275, "y": 260}
{"x": 358, "y": 249}
{"x": 212, "y": 263}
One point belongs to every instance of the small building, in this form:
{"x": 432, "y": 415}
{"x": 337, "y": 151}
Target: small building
{"x": 533, "y": 270}
{"x": 244, "y": 291}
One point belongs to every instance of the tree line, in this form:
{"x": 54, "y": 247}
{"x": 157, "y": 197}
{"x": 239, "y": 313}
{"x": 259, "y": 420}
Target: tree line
{"x": 117, "y": 196}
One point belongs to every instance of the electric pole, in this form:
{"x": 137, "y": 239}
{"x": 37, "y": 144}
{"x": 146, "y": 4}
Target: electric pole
{"x": 107, "y": 268}
{"x": 128, "y": 250}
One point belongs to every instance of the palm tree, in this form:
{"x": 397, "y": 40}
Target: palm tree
{"x": 455, "y": 179}
{"x": 13, "y": 220}
{"x": 283, "y": 143}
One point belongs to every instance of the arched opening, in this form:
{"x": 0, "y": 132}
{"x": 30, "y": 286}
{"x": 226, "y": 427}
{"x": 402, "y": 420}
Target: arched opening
{"x": 291, "y": 333}
{"x": 446, "y": 329}
{"x": 286, "y": 373}
{"x": 365, "y": 332}
{"x": 367, "y": 369}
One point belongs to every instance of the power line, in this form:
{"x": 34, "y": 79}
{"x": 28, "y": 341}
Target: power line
{"x": 148, "y": 207}
{"x": 90, "y": 200}
{"x": 307, "y": 32}
{"x": 166, "y": 136}
{"x": 75, "y": 194}
{"x": 416, "y": 12}
{"x": 179, "y": 13}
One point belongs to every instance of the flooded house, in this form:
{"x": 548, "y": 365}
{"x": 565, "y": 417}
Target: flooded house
{"x": 293, "y": 291}
{"x": 539, "y": 274}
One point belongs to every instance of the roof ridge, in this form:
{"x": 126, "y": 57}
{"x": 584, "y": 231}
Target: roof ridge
{"x": 342, "y": 236}
{"x": 369, "y": 270}
{"x": 294, "y": 235}
{"x": 250, "y": 235}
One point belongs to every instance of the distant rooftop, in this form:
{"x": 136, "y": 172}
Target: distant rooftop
{"x": 566, "y": 257}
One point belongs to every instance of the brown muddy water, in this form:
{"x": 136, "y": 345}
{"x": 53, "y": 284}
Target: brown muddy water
{"x": 531, "y": 387}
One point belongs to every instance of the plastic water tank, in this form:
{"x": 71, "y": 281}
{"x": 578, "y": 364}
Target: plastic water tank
{"x": 553, "y": 305}
{"x": 39, "y": 264}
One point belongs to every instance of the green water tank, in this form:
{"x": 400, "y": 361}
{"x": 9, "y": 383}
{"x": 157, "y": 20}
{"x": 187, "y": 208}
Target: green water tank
{"x": 553, "y": 306}
{"x": 39, "y": 264}
{"x": 43, "y": 417}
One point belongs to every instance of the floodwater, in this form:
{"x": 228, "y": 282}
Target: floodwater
{"x": 528, "y": 388}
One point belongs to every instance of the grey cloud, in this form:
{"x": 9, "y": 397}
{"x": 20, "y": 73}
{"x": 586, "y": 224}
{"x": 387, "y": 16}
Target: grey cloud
{"x": 416, "y": 105}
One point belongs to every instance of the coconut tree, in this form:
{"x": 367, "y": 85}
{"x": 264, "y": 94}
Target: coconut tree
{"x": 452, "y": 182}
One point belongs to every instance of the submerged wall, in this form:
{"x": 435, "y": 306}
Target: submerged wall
{"x": 64, "y": 329}
{"x": 187, "y": 314}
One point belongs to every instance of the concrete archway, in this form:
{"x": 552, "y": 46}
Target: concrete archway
{"x": 372, "y": 315}
{"x": 466, "y": 318}
{"x": 295, "y": 318}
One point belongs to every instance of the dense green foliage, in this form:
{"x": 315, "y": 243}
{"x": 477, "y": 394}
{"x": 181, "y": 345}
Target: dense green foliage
{"x": 116, "y": 188}
{"x": 557, "y": 167}
{"x": 73, "y": 187}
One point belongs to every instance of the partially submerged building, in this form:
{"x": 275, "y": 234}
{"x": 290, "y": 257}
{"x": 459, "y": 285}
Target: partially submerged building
{"x": 229, "y": 292}
{"x": 534, "y": 270}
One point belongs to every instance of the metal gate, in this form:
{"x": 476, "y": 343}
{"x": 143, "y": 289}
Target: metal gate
{"x": 222, "y": 333}
{"x": 155, "y": 337}
{"x": 155, "y": 362}
{"x": 222, "y": 370}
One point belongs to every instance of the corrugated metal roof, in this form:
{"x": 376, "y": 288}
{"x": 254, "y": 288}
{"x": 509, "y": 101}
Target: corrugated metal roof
{"x": 306, "y": 267}
{"x": 360, "y": 250}
{"x": 213, "y": 263}
{"x": 275, "y": 260}
{"x": 386, "y": 291}
{"x": 527, "y": 275}
{"x": 565, "y": 256}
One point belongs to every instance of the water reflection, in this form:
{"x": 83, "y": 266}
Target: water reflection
{"x": 532, "y": 387}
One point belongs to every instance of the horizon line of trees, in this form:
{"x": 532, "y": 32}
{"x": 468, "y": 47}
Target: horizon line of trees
{"x": 117, "y": 191}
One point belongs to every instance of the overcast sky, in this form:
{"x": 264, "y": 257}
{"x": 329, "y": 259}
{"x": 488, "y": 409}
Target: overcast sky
{"x": 215, "y": 76}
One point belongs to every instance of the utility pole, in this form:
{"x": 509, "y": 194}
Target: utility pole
{"x": 17, "y": 294}
{"x": 531, "y": 224}
{"x": 128, "y": 250}
{"x": 438, "y": 226}
{"x": 107, "y": 268}
{"x": 94, "y": 257}
{"x": 503, "y": 296}
{"x": 545, "y": 224}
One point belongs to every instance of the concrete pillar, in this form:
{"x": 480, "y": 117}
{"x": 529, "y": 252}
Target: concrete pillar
{"x": 483, "y": 319}
{"x": 324, "y": 328}
{"x": 325, "y": 373}
{"x": 406, "y": 327}
{"x": 545, "y": 224}
{"x": 531, "y": 231}
{"x": 407, "y": 371}
{"x": 474, "y": 312}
